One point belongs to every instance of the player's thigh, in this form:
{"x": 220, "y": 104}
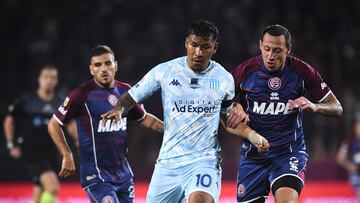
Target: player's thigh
{"x": 289, "y": 173}
{"x": 126, "y": 192}
{"x": 102, "y": 192}
{"x": 165, "y": 185}
{"x": 200, "y": 197}
{"x": 203, "y": 181}
{"x": 50, "y": 182}
{"x": 253, "y": 180}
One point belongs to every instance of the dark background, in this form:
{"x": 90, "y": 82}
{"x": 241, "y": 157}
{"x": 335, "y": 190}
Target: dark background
{"x": 144, "y": 33}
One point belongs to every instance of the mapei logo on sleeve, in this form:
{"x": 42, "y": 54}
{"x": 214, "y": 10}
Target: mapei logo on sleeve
{"x": 175, "y": 82}
{"x": 62, "y": 110}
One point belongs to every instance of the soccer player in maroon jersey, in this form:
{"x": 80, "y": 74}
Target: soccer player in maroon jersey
{"x": 273, "y": 86}
{"x": 105, "y": 174}
{"x": 348, "y": 157}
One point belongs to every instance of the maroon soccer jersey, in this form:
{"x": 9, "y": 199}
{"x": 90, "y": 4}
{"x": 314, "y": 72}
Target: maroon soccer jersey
{"x": 102, "y": 145}
{"x": 267, "y": 94}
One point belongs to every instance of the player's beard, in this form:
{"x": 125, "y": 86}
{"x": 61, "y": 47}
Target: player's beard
{"x": 105, "y": 82}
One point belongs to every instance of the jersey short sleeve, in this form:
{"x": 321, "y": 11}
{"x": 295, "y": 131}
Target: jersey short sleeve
{"x": 314, "y": 83}
{"x": 229, "y": 89}
{"x": 148, "y": 85}
{"x": 70, "y": 108}
{"x": 137, "y": 113}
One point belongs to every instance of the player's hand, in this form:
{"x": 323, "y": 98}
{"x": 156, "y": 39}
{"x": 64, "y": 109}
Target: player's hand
{"x": 68, "y": 165}
{"x": 303, "y": 104}
{"x": 113, "y": 114}
{"x": 352, "y": 168}
{"x": 236, "y": 115}
{"x": 15, "y": 152}
{"x": 261, "y": 144}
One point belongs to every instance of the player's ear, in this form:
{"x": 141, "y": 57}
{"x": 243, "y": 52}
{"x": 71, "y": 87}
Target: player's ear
{"x": 260, "y": 43}
{"x": 186, "y": 42}
{"x": 91, "y": 70}
{"x": 289, "y": 49}
{"x": 116, "y": 66}
{"x": 216, "y": 45}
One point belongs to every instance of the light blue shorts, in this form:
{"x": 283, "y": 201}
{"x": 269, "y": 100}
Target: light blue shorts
{"x": 174, "y": 185}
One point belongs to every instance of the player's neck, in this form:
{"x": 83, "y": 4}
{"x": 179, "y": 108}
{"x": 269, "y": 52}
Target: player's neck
{"x": 103, "y": 86}
{"x": 45, "y": 95}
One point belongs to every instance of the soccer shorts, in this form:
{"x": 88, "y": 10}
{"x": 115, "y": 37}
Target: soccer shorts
{"x": 257, "y": 176}
{"x": 355, "y": 182}
{"x": 174, "y": 185}
{"x": 37, "y": 168}
{"x": 110, "y": 192}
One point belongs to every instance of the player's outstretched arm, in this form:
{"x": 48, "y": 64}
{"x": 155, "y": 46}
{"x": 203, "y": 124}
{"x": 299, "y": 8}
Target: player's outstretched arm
{"x": 244, "y": 131}
{"x": 152, "y": 122}
{"x": 58, "y": 137}
{"x": 124, "y": 104}
{"x": 330, "y": 106}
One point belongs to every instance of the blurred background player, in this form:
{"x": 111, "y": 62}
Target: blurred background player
{"x": 104, "y": 170}
{"x": 27, "y": 136}
{"x": 348, "y": 157}
{"x": 273, "y": 85}
{"x": 195, "y": 91}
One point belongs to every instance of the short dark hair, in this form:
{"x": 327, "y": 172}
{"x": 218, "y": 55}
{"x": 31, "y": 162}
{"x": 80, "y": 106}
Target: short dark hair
{"x": 278, "y": 30}
{"x": 47, "y": 66}
{"x": 100, "y": 50}
{"x": 203, "y": 28}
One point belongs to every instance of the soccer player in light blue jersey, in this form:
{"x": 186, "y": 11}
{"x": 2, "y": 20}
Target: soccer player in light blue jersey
{"x": 195, "y": 91}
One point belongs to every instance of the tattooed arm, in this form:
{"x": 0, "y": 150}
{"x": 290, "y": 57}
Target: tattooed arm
{"x": 124, "y": 105}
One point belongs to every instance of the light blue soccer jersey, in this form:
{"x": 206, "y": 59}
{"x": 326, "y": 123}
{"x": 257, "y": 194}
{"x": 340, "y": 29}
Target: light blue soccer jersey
{"x": 192, "y": 103}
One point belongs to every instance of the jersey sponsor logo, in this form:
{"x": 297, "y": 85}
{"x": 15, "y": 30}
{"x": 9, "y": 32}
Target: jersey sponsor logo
{"x": 108, "y": 199}
{"x": 112, "y": 99}
{"x": 111, "y": 126}
{"x": 62, "y": 110}
{"x": 294, "y": 164}
{"x": 241, "y": 190}
{"x": 272, "y": 108}
{"x": 214, "y": 84}
{"x": 175, "y": 82}
{"x": 274, "y": 96}
{"x": 274, "y": 83}
{"x": 193, "y": 106}
{"x": 194, "y": 83}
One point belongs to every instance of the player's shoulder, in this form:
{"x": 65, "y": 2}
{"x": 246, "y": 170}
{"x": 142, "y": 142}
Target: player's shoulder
{"x": 180, "y": 61}
{"x": 220, "y": 70}
{"x": 82, "y": 90}
{"x": 247, "y": 66}
{"x": 28, "y": 95}
{"x": 122, "y": 85}
{"x": 300, "y": 66}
